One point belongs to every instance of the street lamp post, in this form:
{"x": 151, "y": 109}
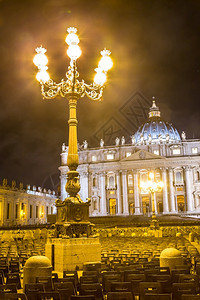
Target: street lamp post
{"x": 72, "y": 89}
{"x": 152, "y": 186}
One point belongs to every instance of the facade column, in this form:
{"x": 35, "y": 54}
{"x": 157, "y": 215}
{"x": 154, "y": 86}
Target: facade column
{"x": 119, "y": 194}
{"x": 171, "y": 191}
{"x": 103, "y": 206}
{"x": 136, "y": 193}
{"x": 155, "y": 203}
{"x": 125, "y": 193}
{"x": 84, "y": 179}
{"x": 63, "y": 181}
{"x": 190, "y": 198}
{"x": 165, "y": 195}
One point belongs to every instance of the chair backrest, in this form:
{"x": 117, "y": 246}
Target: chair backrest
{"x": 46, "y": 281}
{"x": 190, "y": 297}
{"x": 94, "y": 289}
{"x": 49, "y": 295}
{"x": 121, "y": 287}
{"x": 193, "y": 278}
{"x": 16, "y": 296}
{"x": 182, "y": 288}
{"x": 120, "y": 296}
{"x": 8, "y": 288}
{"x": 86, "y": 297}
{"x": 13, "y": 278}
{"x": 65, "y": 286}
{"x": 88, "y": 279}
{"x": 149, "y": 288}
{"x": 157, "y": 297}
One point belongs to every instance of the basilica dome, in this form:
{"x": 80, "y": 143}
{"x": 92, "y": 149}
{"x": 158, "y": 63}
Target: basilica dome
{"x": 156, "y": 130}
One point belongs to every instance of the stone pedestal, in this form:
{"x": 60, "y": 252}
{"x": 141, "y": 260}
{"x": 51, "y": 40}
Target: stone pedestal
{"x": 69, "y": 253}
{"x": 36, "y": 266}
{"x": 170, "y": 257}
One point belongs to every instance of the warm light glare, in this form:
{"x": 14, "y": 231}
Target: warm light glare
{"x": 42, "y": 76}
{"x": 74, "y": 52}
{"x": 151, "y": 175}
{"x": 106, "y": 62}
{"x": 40, "y": 59}
{"x": 99, "y": 78}
{"x": 72, "y": 37}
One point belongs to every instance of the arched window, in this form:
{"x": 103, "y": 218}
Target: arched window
{"x": 178, "y": 177}
{"x": 111, "y": 181}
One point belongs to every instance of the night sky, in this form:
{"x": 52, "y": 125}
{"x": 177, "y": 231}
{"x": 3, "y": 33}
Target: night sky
{"x": 156, "y": 52}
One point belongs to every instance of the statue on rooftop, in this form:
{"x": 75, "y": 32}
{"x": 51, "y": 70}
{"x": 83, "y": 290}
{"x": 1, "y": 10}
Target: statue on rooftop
{"x": 101, "y": 143}
{"x": 117, "y": 140}
{"x": 85, "y": 145}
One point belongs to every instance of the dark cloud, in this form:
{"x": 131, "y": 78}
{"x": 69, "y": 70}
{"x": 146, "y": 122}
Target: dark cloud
{"x": 155, "y": 48}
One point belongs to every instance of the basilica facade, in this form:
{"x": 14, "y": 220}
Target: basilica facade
{"x": 113, "y": 176}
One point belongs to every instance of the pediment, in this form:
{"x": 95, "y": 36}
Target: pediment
{"x": 142, "y": 155}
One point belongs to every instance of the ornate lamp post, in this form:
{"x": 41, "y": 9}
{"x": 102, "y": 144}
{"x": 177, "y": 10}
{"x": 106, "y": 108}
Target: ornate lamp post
{"x": 72, "y": 89}
{"x": 152, "y": 186}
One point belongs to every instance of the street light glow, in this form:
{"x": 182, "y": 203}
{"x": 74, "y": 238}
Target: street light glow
{"x": 74, "y": 52}
{"x": 40, "y": 59}
{"x": 42, "y": 75}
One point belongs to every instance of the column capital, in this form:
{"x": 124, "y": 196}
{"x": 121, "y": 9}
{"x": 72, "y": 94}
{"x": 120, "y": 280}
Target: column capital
{"x": 124, "y": 172}
{"x": 187, "y": 168}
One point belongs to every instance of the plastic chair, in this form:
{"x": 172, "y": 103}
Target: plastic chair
{"x": 190, "y": 297}
{"x": 66, "y": 290}
{"x": 94, "y": 289}
{"x": 48, "y": 295}
{"x": 108, "y": 279}
{"x": 165, "y": 281}
{"x": 14, "y": 278}
{"x": 182, "y": 288}
{"x": 82, "y": 297}
{"x": 120, "y": 296}
{"x": 149, "y": 288}
{"x": 47, "y": 282}
{"x": 121, "y": 287}
{"x": 158, "y": 297}
{"x": 190, "y": 278}
{"x": 32, "y": 289}
{"x": 16, "y": 296}
{"x": 8, "y": 288}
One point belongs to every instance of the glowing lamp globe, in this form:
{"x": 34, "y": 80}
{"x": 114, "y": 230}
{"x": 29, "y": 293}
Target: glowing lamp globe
{"x": 74, "y": 52}
{"x": 40, "y": 59}
{"x": 100, "y": 78}
{"x": 72, "y": 37}
{"x": 42, "y": 76}
{"x": 106, "y": 62}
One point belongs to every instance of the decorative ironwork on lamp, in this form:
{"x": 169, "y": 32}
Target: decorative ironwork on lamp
{"x": 72, "y": 89}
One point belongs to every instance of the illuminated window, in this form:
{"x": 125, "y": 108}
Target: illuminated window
{"x": 194, "y": 150}
{"x": 130, "y": 191}
{"x": 36, "y": 211}
{"x": 17, "y": 211}
{"x": 31, "y": 211}
{"x": 130, "y": 179}
{"x": 176, "y": 151}
{"x": 156, "y": 152}
{"x": 110, "y": 156}
{"x": 112, "y": 192}
{"x": 128, "y": 154}
{"x": 8, "y": 210}
{"x": 94, "y": 158}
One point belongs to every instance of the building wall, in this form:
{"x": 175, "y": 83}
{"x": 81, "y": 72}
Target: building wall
{"x": 19, "y": 206}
